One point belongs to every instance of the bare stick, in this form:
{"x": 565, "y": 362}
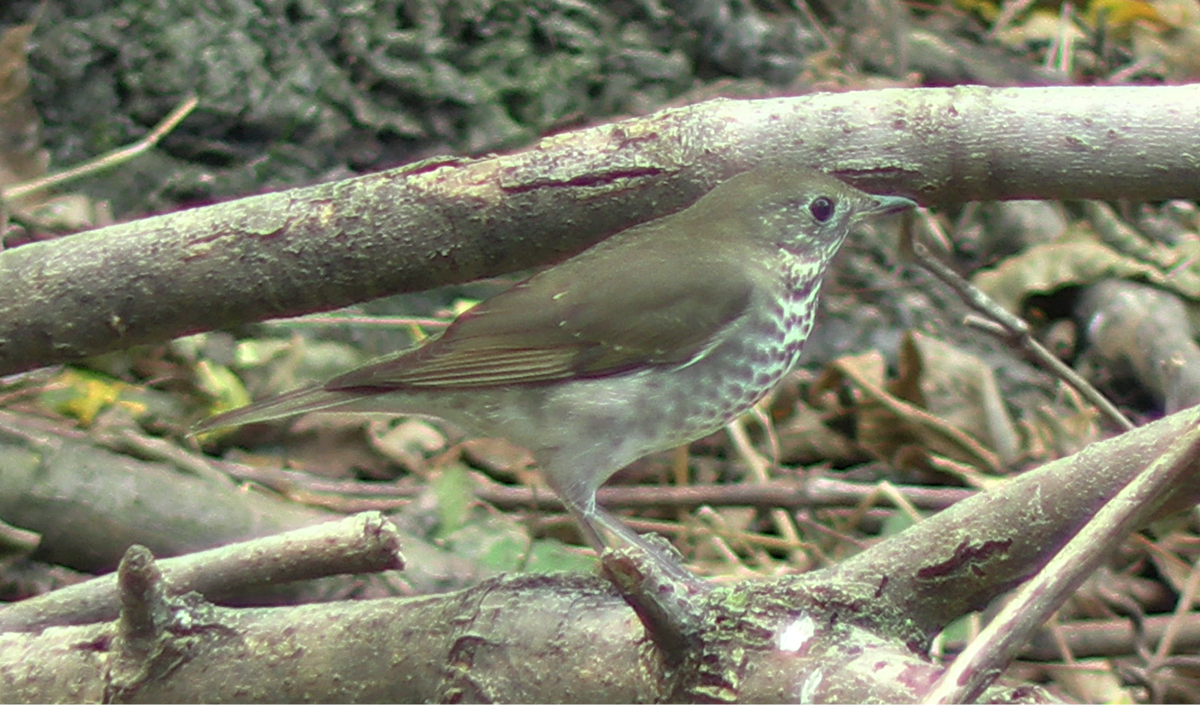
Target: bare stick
{"x": 364, "y": 543}
{"x": 1010, "y": 327}
{"x": 998, "y": 644}
{"x": 111, "y": 159}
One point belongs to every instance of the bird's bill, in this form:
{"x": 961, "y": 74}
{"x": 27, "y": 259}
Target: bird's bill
{"x": 889, "y": 204}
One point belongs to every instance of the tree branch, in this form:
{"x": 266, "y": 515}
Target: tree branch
{"x": 453, "y": 220}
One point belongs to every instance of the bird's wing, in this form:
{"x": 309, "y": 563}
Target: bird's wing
{"x": 611, "y": 310}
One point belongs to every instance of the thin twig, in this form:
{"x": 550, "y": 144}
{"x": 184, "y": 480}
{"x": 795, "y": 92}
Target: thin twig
{"x": 364, "y": 543}
{"x": 1008, "y": 12}
{"x": 108, "y": 160}
{"x": 807, "y": 492}
{"x": 1010, "y": 327}
{"x": 999, "y": 643}
{"x": 325, "y": 319}
{"x": 758, "y": 472}
{"x": 1183, "y": 608}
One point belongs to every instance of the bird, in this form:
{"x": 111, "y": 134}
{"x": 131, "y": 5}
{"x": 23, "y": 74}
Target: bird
{"x": 656, "y": 336}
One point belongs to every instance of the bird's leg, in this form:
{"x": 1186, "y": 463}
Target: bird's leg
{"x": 668, "y": 599}
{"x": 594, "y": 520}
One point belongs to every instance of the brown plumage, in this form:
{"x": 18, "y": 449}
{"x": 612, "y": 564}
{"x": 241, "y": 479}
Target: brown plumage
{"x": 654, "y": 337}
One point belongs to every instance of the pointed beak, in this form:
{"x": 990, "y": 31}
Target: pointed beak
{"x": 890, "y": 204}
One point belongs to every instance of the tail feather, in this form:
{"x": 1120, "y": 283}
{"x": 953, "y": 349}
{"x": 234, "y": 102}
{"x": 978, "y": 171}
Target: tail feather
{"x": 303, "y": 400}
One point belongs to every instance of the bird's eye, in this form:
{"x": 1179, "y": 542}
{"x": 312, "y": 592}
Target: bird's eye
{"x": 821, "y": 209}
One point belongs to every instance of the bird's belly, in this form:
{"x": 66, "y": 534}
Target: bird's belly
{"x": 665, "y": 407}
{"x": 594, "y": 427}
{"x": 710, "y": 395}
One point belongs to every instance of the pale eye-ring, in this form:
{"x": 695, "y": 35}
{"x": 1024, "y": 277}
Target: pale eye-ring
{"x": 821, "y": 209}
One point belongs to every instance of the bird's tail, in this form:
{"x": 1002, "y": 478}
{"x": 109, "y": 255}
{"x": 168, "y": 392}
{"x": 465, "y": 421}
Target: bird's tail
{"x": 303, "y": 400}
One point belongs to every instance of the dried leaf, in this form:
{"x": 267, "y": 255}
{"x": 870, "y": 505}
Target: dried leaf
{"x": 959, "y": 388}
{"x": 1043, "y": 269}
{"x": 409, "y": 443}
{"x": 82, "y": 395}
{"x": 890, "y": 427}
{"x": 21, "y": 154}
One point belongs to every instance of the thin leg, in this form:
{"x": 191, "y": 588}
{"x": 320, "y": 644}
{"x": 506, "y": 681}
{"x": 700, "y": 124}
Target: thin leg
{"x": 667, "y": 598}
{"x": 593, "y": 520}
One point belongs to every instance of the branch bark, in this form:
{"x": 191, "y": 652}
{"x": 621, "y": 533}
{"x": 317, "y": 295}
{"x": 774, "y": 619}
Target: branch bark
{"x": 760, "y": 642}
{"x": 453, "y": 220}
{"x": 839, "y": 634}
{"x": 89, "y": 504}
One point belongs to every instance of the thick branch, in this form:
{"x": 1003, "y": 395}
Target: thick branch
{"x": 89, "y": 504}
{"x": 448, "y": 221}
{"x": 765, "y": 641}
{"x": 965, "y": 556}
{"x": 363, "y": 543}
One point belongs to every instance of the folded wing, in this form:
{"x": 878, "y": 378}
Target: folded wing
{"x": 602, "y": 313}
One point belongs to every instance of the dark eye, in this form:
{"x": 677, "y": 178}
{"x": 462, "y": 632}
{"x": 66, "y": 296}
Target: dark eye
{"x": 821, "y": 209}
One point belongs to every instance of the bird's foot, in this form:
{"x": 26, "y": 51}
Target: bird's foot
{"x": 649, "y": 573}
{"x": 666, "y": 596}
{"x": 657, "y": 555}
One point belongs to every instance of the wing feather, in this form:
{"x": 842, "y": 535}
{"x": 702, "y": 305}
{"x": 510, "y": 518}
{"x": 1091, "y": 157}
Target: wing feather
{"x": 638, "y": 299}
